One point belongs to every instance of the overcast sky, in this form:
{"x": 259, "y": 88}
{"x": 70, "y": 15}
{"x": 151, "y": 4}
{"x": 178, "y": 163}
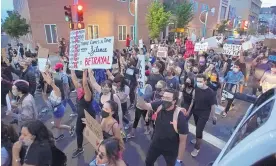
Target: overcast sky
{"x": 8, "y": 5}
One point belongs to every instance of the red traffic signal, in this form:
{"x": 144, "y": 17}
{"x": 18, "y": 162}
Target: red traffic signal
{"x": 80, "y": 13}
{"x": 80, "y": 7}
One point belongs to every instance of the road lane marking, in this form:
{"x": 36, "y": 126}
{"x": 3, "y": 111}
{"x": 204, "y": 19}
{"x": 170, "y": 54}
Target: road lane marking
{"x": 208, "y": 137}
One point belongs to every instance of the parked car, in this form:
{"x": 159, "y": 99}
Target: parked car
{"x": 253, "y": 142}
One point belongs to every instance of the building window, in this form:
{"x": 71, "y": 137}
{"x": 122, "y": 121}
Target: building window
{"x": 51, "y": 33}
{"x": 132, "y": 32}
{"x": 122, "y": 32}
{"x": 223, "y": 13}
{"x": 93, "y": 31}
{"x": 195, "y": 5}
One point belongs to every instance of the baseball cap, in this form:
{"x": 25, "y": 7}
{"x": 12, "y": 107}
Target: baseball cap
{"x": 58, "y": 66}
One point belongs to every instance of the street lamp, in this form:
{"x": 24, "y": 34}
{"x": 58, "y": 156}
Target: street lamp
{"x": 205, "y": 20}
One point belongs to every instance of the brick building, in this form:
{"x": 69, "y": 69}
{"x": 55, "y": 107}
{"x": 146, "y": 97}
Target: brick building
{"x": 102, "y": 18}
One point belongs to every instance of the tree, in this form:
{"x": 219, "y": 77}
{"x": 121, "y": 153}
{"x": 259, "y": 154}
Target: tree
{"x": 184, "y": 14}
{"x": 222, "y": 26}
{"x": 157, "y": 19}
{"x": 15, "y": 26}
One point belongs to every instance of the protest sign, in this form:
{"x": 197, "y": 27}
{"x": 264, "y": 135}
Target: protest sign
{"x": 141, "y": 43}
{"x": 76, "y": 37}
{"x": 201, "y": 46}
{"x": 189, "y": 45}
{"x": 247, "y": 45}
{"x": 141, "y": 75}
{"x": 97, "y": 53}
{"x": 232, "y": 49}
{"x": 3, "y": 53}
{"x": 42, "y": 64}
{"x": 43, "y": 52}
{"x": 272, "y": 58}
{"x": 93, "y": 130}
{"x": 270, "y": 43}
{"x": 162, "y": 52}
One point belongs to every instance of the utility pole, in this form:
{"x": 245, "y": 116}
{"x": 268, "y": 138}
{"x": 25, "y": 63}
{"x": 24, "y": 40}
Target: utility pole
{"x": 136, "y": 23}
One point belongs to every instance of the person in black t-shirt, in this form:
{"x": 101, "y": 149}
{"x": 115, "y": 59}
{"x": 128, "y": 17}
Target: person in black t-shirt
{"x": 37, "y": 141}
{"x": 155, "y": 76}
{"x": 170, "y": 134}
{"x": 203, "y": 103}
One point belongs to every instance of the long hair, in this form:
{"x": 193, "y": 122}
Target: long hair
{"x": 40, "y": 131}
{"x": 120, "y": 78}
{"x": 112, "y": 148}
{"x": 114, "y": 107}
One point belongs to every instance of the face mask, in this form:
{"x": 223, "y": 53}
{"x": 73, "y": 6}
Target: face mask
{"x": 155, "y": 70}
{"x": 15, "y": 92}
{"x": 234, "y": 59}
{"x": 166, "y": 104}
{"x": 202, "y": 63}
{"x": 236, "y": 70}
{"x": 187, "y": 84}
{"x": 158, "y": 89}
{"x": 105, "y": 90}
{"x": 199, "y": 85}
{"x": 213, "y": 78}
{"x": 195, "y": 72}
{"x": 104, "y": 114}
{"x": 21, "y": 67}
{"x": 27, "y": 142}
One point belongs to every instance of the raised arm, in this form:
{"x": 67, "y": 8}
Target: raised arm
{"x": 93, "y": 81}
{"x": 87, "y": 92}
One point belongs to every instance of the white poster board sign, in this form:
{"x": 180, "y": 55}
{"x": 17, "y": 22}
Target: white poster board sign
{"x": 141, "y": 75}
{"x": 42, "y": 64}
{"x": 93, "y": 131}
{"x": 76, "y": 37}
{"x": 97, "y": 53}
{"x": 232, "y": 49}
{"x": 162, "y": 52}
{"x": 201, "y": 46}
{"x": 141, "y": 43}
{"x": 247, "y": 45}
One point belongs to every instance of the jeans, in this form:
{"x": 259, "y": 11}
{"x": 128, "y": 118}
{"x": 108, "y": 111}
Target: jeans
{"x": 71, "y": 104}
{"x": 132, "y": 94}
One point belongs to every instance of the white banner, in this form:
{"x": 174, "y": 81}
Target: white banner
{"x": 232, "y": 49}
{"x": 141, "y": 76}
{"x": 201, "y": 46}
{"x": 247, "y": 45}
{"x": 162, "y": 52}
{"x": 97, "y": 53}
{"x": 76, "y": 37}
{"x": 42, "y": 64}
{"x": 141, "y": 43}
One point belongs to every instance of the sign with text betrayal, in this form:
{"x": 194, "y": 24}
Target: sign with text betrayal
{"x": 232, "y": 49}
{"x": 97, "y": 53}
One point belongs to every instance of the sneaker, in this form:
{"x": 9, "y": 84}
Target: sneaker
{"x": 193, "y": 141}
{"x": 127, "y": 126}
{"x": 59, "y": 138}
{"x": 224, "y": 114}
{"x": 72, "y": 131}
{"x": 53, "y": 123}
{"x": 195, "y": 152}
{"x": 245, "y": 84}
{"x": 74, "y": 91}
{"x": 147, "y": 132}
{"x": 130, "y": 136}
{"x": 77, "y": 152}
{"x": 73, "y": 114}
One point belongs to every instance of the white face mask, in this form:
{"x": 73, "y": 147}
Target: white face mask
{"x": 155, "y": 70}
{"x": 14, "y": 92}
{"x": 199, "y": 85}
{"x": 236, "y": 70}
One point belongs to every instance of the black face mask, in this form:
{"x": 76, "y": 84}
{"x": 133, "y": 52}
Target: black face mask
{"x": 21, "y": 67}
{"x": 166, "y": 104}
{"x": 188, "y": 84}
{"x": 234, "y": 59}
{"x": 158, "y": 89}
{"x": 195, "y": 72}
{"x": 104, "y": 114}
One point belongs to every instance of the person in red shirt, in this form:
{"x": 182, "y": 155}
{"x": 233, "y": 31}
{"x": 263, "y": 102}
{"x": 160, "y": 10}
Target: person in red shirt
{"x": 128, "y": 39}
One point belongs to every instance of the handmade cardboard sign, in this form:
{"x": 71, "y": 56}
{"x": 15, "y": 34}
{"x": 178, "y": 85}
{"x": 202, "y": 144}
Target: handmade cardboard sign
{"x": 93, "y": 131}
{"x": 201, "y": 46}
{"x": 232, "y": 49}
{"x": 43, "y": 52}
{"x": 247, "y": 45}
{"x": 97, "y": 53}
{"x": 141, "y": 75}
{"x": 162, "y": 52}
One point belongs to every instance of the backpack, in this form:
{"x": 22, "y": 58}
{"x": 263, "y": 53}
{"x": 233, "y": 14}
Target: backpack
{"x": 58, "y": 157}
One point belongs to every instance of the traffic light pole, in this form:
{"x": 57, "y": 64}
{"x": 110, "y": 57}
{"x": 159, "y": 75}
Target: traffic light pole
{"x": 136, "y": 23}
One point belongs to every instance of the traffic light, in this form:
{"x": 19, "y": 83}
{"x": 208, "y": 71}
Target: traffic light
{"x": 68, "y": 13}
{"x": 71, "y": 25}
{"x": 80, "y": 25}
{"x": 80, "y": 13}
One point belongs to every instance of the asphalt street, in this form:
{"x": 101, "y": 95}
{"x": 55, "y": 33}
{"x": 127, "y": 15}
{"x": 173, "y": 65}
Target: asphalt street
{"x": 136, "y": 148}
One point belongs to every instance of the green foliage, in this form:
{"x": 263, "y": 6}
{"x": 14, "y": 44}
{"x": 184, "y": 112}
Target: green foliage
{"x": 251, "y": 31}
{"x": 14, "y": 25}
{"x": 222, "y": 27}
{"x": 184, "y": 14}
{"x": 157, "y": 19}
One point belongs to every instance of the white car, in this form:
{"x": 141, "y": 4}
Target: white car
{"x": 253, "y": 143}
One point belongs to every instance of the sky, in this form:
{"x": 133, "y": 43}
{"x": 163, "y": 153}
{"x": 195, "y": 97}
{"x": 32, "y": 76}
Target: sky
{"x": 8, "y": 5}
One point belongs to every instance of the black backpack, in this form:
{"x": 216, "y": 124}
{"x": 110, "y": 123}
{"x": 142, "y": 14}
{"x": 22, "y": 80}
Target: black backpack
{"x": 58, "y": 157}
